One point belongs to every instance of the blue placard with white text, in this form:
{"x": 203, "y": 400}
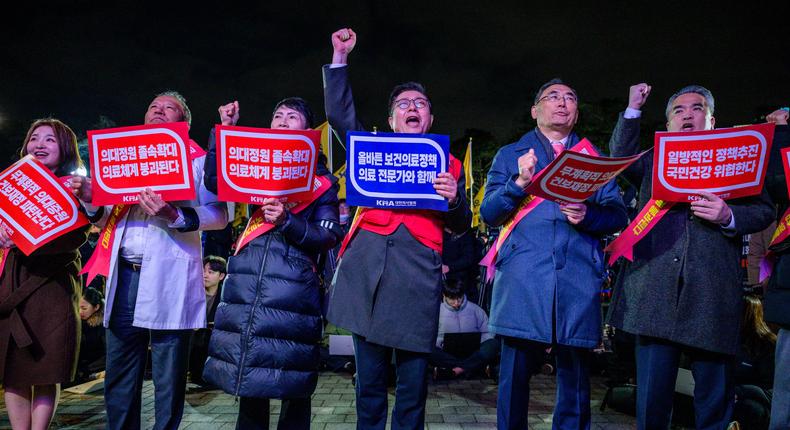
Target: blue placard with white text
{"x": 395, "y": 170}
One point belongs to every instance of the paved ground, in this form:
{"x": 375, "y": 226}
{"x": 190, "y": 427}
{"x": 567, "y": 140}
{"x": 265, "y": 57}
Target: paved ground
{"x": 458, "y": 404}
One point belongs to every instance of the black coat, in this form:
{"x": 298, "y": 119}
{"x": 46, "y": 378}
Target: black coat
{"x": 684, "y": 284}
{"x": 461, "y": 253}
{"x": 268, "y": 323}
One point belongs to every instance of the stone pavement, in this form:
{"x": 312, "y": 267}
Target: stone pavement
{"x": 458, "y": 404}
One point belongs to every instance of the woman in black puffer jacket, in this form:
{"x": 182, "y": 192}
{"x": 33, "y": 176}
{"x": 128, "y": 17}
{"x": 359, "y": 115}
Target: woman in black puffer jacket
{"x": 268, "y": 324}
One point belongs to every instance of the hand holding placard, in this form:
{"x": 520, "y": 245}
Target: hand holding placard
{"x": 712, "y": 208}
{"x": 153, "y": 205}
{"x": 5, "y": 239}
{"x": 574, "y": 212}
{"x": 273, "y": 211}
{"x": 82, "y": 188}
{"x": 446, "y": 186}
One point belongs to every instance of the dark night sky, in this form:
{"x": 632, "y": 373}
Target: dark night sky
{"x": 481, "y": 61}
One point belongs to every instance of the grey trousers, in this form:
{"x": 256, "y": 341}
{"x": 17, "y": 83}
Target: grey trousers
{"x": 780, "y": 404}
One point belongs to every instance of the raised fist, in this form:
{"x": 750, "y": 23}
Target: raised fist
{"x": 637, "y": 95}
{"x": 229, "y": 113}
{"x": 343, "y": 42}
{"x": 526, "y": 168}
{"x": 778, "y": 117}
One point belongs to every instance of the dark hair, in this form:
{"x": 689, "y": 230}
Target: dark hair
{"x": 298, "y": 104}
{"x": 407, "y": 86}
{"x": 67, "y": 144}
{"x": 696, "y": 89}
{"x": 555, "y": 81}
{"x": 453, "y": 288}
{"x": 93, "y": 296}
{"x": 216, "y": 263}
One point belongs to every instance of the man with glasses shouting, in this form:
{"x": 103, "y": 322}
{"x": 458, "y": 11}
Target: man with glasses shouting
{"x": 549, "y": 268}
{"x": 388, "y": 284}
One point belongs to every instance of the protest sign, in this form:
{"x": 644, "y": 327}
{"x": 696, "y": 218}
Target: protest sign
{"x": 256, "y": 163}
{"x": 728, "y": 162}
{"x": 395, "y": 170}
{"x": 575, "y": 175}
{"x": 36, "y": 206}
{"x": 127, "y": 160}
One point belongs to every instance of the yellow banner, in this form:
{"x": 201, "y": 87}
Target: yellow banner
{"x": 324, "y": 128}
{"x": 468, "y": 166}
{"x": 340, "y": 174}
{"x": 476, "y": 203}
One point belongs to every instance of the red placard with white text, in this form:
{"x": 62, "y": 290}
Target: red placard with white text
{"x": 127, "y": 160}
{"x": 256, "y": 163}
{"x": 35, "y": 206}
{"x": 728, "y": 162}
{"x": 575, "y": 175}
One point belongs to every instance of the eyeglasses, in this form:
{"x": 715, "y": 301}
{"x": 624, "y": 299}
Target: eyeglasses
{"x": 555, "y": 97}
{"x": 419, "y": 103}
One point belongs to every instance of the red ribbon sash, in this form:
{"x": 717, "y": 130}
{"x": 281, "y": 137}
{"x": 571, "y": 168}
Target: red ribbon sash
{"x": 99, "y": 263}
{"x": 195, "y": 150}
{"x": 527, "y": 205}
{"x": 780, "y": 234}
{"x": 653, "y": 211}
{"x": 257, "y": 225}
{"x": 782, "y": 229}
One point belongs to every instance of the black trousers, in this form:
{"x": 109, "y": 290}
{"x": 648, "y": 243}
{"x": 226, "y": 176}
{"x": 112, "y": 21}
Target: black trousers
{"x": 254, "y": 414}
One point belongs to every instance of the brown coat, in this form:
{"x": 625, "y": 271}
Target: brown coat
{"x": 39, "y": 318}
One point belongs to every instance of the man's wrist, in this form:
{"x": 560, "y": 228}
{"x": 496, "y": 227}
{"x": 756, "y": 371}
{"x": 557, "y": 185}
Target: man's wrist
{"x": 339, "y": 59}
{"x": 631, "y": 112}
{"x": 728, "y": 221}
{"x": 523, "y": 183}
{"x": 173, "y": 216}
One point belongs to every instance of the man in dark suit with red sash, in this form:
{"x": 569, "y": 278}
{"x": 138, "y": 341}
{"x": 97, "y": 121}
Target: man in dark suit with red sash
{"x": 681, "y": 294}
{"x": 388, "y": 284}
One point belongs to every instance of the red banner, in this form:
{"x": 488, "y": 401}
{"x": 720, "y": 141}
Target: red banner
{"x": 728, "y": 162}
{"x": 127, "y": 160}
{"x": 573, "y": 176}
{"x": 99, "y": 263}
{"x": 256, "y": 163}
{"x": 35, "y": 206}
